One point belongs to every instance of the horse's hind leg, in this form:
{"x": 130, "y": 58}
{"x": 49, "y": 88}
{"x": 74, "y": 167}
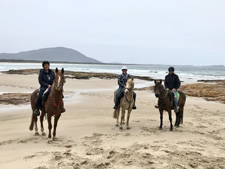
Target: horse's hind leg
{"x": 170, "y": 118}
{"x": 161, "y": 119}
{"x": 41, "y": 121}
{"x": 36, "y": 128}
{"x": 177, "y": 119}
{"x": 55, "y": 126}
{"x": 118, "y": 116}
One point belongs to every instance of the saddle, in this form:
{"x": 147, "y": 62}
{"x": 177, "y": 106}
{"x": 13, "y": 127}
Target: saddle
{"x": 171, "y": 96}
{"x": 45, "y": 97}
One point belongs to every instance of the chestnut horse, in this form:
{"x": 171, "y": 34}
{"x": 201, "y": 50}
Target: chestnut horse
{"x": 53, "y": 105}
{"x": 165, "y": 102}
{"x": 126, "y": 103}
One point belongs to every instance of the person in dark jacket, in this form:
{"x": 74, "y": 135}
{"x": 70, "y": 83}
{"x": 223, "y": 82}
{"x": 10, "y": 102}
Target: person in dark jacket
{"x": 45, "y": 78}
{"x": 172, "y": 82}
{"x": 122, "y": 80}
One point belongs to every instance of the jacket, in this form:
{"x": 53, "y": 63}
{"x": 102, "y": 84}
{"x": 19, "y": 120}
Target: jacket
{"x": 172, "y": 81}
{"x": 46, "y": 78}
{"x": 122, "y": 80}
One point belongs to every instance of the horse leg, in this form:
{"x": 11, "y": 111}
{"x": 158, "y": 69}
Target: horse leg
{"x": 36, "y": 128}
{"x": 32, "y": 122}
{"x": 170, "y": 118}
{"x": 55, "y": 126}
{"x": 122, "y": 117}
{"x": 161, "y": 119}
{"x": 41, "y": 121}
{"x": 49, "y": 125}
{"x": 118, "y": 116}
{"x": 128, "y": 118}
{"x": 177, "y": 118}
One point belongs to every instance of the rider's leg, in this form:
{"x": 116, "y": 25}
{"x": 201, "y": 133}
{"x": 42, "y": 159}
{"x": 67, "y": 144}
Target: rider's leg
{"x": 175, "y": 101}
{"x": 134, "y": 96}
{"x": 38, "y": 102}
{"x": 118, "y": 97}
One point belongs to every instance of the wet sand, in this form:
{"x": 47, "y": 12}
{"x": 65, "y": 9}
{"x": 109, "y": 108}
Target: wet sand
{"x": 88, "y": 138}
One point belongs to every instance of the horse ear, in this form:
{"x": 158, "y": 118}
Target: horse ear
{"x": 155, "y": 81}
{"x": 56, "y": 70}
{"x": 160, "y": 81}
{"x": 132, "y": 79}
{"x": 62, "y": 71}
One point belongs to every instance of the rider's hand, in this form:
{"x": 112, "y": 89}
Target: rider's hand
{"x": 49, "y": 86}
{"x": 174, "y": 90}
{"x": 167, "y": 89}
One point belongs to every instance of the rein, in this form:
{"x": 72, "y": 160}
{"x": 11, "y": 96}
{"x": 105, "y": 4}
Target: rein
{"x": 127, "y": 98}
{"x": 54, "y": 102}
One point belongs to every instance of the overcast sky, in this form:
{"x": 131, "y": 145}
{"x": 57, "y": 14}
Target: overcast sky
{"x": 130, "y": 31}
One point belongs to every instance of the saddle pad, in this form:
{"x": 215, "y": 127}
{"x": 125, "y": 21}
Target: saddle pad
{"x": 178, "y": 96}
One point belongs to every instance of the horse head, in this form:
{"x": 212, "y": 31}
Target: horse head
{"x": 59, "y": 79}
{"x": 129, "y": 86}
{"x": 158, "y": 88}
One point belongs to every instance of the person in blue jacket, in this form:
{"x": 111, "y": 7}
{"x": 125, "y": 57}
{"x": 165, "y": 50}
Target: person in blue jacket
{"x": 122, "y": 80}
{"x": 45, "y": 78}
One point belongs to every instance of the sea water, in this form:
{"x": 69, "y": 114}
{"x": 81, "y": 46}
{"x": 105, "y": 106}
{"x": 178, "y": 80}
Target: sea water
{"x": 188, "y": 73}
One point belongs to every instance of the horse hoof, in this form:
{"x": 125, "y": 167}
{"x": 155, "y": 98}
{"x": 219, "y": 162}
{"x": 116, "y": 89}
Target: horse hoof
{"x": 160, "y": 128}
{"x": 43, "y": 134}
{"x": 123, "y": 122}
{"x": 36, "y": 134}
{"x": 171, "y": 129}
{"x": 117, "y": 125}
{"x": 53, "y": 139}
{"x": 128, "y": 128}
{"x": 121, "y": 128}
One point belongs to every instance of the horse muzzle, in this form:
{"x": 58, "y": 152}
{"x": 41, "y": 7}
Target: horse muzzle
{"x": 157, "y": 95}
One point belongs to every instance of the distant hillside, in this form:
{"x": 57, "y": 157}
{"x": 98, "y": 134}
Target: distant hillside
{"x": 57, "y": 54}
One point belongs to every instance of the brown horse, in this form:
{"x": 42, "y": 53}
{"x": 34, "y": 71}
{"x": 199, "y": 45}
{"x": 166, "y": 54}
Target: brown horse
{"x": 126, "y": 103}
{"x": 165, "y": 102}
{"x": 53, "y": 105}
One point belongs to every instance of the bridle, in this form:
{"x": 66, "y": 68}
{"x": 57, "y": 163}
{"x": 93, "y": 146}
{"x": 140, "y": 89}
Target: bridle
{"x": 132, "y": 99}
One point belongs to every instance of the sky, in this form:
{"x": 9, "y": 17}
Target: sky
{"x": 179, "y": 32}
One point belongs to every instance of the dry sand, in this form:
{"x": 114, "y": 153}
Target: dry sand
{"x": 88, "y": 138}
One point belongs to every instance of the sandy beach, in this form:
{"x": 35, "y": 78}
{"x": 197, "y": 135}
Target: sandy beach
{"x": 88, "y": 138}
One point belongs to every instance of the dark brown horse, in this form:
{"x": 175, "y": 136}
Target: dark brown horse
{"x": 53, "y": 105}
{"x": 165, "y": 102}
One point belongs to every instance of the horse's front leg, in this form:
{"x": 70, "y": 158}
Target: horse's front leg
{"x": 161, "y": 119}
{"x": 49, "y": 125}
{"x": 41, "y": 121}
{"x": 128, "y": 118}
{"x": 55, "y": 125}
{"x": 122, "y": 117}
{"x": 170, "y": 118}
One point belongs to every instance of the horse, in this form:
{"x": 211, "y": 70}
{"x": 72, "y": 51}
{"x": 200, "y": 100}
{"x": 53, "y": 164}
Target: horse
{"x": 165, "y": 102}
{"x": 52, "y": 106}
{"x": 126, "y": 103}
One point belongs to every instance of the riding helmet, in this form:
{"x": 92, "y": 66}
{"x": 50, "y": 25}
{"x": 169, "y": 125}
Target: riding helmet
{"x": 45, "y": 62}
{"x": 171, "y": 69}
{"x": 124, "y": 68}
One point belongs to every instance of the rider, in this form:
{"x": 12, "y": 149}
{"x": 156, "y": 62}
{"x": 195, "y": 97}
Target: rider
{"x": 45, "y": 78}
{"x": 172, "y": 82}
{"x": 122, "y": 80}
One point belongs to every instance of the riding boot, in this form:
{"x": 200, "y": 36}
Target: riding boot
{"x": 63, "y": 110}
{"x": 36, "y": 112}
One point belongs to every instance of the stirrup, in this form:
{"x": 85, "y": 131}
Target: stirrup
{"x": 36, "y": 112}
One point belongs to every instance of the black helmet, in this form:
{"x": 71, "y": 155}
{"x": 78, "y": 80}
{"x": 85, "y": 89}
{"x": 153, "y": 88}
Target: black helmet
{"x": 45, "y": 62}
{"x": 171, "y": 69}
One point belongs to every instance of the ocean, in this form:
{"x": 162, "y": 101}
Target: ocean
{"x": 188, "y": 74}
